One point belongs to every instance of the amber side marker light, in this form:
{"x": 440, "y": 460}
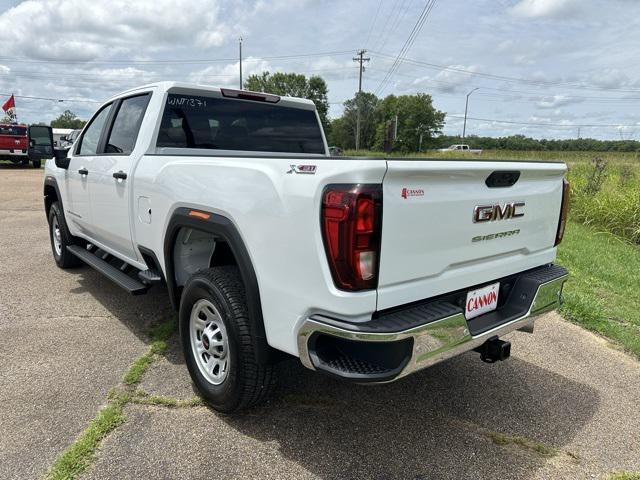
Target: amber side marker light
{"x": 199, "y": 214}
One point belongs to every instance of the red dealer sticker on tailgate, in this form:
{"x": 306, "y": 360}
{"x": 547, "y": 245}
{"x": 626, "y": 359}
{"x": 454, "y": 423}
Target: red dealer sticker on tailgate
{"x": 411, "y": 192}
{"x": 481, "y": 301}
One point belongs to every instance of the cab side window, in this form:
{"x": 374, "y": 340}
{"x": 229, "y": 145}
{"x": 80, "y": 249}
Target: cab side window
{"x": 124, "y": 132}
{"x": 91, "y": 138}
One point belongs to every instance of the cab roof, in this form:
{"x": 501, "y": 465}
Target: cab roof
{"x": 167, "y": 86}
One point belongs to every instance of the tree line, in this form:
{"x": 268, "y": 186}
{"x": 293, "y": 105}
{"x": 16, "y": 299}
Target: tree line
{"x": 401, "y": 123}
{"x": 521, "y": 142}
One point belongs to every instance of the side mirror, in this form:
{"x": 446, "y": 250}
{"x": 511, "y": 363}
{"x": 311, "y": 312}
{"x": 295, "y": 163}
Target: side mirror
{"x": 61, "y": 157}
{"x": 32, "y": 142}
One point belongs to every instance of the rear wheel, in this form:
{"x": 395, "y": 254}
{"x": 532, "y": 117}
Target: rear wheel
{"x": 217, "y": 340}
{"x": 61, "y": 238}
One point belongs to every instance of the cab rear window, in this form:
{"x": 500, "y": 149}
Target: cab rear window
{"x": 12, "y": 130}
{"x": 229, "y": 124}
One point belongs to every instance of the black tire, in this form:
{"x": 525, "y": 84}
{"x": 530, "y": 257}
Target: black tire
{"x": 247, "y": 382}
{"x": 63, "y": 258}
{"x": 36, "y": 163}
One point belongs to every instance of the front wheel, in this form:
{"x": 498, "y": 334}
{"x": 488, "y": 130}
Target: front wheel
{"x": 217, "y": 340}
{"x": 36, "y": 163}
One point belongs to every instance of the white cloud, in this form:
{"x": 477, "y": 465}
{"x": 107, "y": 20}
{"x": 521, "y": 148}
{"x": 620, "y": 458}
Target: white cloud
{"x": 228, "y": 74}
{"x": 555, "y": 101}
{"x": 74, "y": 29}
{"x": 610, "y": 78}
{"x": 545, "y": 8}
{"x": 447, "y": 81}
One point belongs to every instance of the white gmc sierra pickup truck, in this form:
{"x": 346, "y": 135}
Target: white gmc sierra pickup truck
{"x": 367, "y": 269}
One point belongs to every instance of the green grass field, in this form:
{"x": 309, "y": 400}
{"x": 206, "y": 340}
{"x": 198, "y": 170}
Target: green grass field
{"x": 569, "y": 157}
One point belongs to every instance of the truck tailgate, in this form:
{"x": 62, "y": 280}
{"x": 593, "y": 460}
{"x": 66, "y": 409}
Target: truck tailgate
{"x": 430, "y": 242}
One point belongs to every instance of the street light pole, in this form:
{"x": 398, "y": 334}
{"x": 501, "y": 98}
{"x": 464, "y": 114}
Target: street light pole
{"x": 240, "y": 55}
{"x": 466, "y": 106}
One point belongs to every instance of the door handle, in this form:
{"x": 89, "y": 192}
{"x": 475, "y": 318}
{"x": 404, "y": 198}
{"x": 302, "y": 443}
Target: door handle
{"x": 120, "y": 175}
{"x": 83, "y": 171}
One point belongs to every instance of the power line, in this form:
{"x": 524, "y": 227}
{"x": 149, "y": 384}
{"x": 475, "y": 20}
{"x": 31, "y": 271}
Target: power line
{"x": 509, "y": 91}
{"x": 175, "y": 61}
{"x": 383, "y": 30}
{"x": 375, "y": 18}
{"x": 51, "y": 99}
{"x": 534, "y": 124}
{"x": 407, "y": 44}
{"x": 394, "y": 23}
{"x": 134, "y": 75}
{"x": 504, "y": 78}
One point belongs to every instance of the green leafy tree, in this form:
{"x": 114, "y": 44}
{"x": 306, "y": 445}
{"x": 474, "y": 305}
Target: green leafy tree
{"x": 68, "y": 119}
{"x": 343, "y": 130}
{"x": 293, "y": 85}
{"x": 416, "y": 116}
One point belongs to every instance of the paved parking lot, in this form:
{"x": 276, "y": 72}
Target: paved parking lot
{"x": 566, "y": 405}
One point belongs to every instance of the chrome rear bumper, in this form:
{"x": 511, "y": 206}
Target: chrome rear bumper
{"x": 432, "y": 342}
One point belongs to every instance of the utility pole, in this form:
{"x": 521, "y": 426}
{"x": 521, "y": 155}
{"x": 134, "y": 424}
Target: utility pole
{"x": 240, "y": 45}
{"x": 420, "y": 130}
{"x": 360, "y": 59}
{"x": 466, "y": 106}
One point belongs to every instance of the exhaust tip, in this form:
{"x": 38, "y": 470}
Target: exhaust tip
{"x": 494, "y": 350}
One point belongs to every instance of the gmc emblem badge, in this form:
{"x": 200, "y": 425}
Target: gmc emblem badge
{"x": 492, "y": 213}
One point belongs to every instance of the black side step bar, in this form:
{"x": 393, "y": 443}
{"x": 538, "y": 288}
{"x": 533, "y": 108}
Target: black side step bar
{"x": 131, "y": 285}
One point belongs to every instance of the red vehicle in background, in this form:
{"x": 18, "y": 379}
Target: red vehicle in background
{"x": 20, "y": 143}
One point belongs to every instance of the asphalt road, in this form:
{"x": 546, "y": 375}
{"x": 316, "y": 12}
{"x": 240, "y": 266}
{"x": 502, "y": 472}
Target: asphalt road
{"x": 565, "y": 405}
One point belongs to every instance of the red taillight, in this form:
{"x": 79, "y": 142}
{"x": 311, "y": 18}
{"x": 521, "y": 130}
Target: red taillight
{"x": 564, "y": 211}
{"x": 351, "y": 222}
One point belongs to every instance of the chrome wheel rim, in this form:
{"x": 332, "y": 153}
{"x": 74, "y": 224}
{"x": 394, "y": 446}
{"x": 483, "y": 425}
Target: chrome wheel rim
{"x": 209, "y": 341}
{"x": 56, "y": 236}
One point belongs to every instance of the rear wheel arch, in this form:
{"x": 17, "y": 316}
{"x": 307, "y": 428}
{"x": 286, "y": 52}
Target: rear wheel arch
{"x": 229, "y": 249}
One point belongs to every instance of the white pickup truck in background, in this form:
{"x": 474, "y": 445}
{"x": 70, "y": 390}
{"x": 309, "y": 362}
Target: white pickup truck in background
{"x": 460, "y": 148}
{"x": 367, "y": 269}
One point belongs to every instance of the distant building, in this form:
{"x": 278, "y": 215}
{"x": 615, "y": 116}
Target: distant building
{"x": 59, "y": 133}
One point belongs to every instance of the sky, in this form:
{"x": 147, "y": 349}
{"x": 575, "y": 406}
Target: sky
{"x": 543, "y": 68}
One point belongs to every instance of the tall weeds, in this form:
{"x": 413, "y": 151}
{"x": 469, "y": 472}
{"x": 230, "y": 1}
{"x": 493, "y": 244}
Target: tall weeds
{"x": 607, "y": 198}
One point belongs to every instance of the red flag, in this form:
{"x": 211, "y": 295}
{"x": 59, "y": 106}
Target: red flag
{"x": 9, "y": 104}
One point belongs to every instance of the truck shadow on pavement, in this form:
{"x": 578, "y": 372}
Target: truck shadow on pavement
{"x": 6, "y": 165}
{"x": 139, "y": 314}
{"x": 443, "y": 422}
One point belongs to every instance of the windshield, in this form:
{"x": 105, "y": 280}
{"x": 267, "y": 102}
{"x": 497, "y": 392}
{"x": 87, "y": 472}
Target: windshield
{"x": 225, "y": 124}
